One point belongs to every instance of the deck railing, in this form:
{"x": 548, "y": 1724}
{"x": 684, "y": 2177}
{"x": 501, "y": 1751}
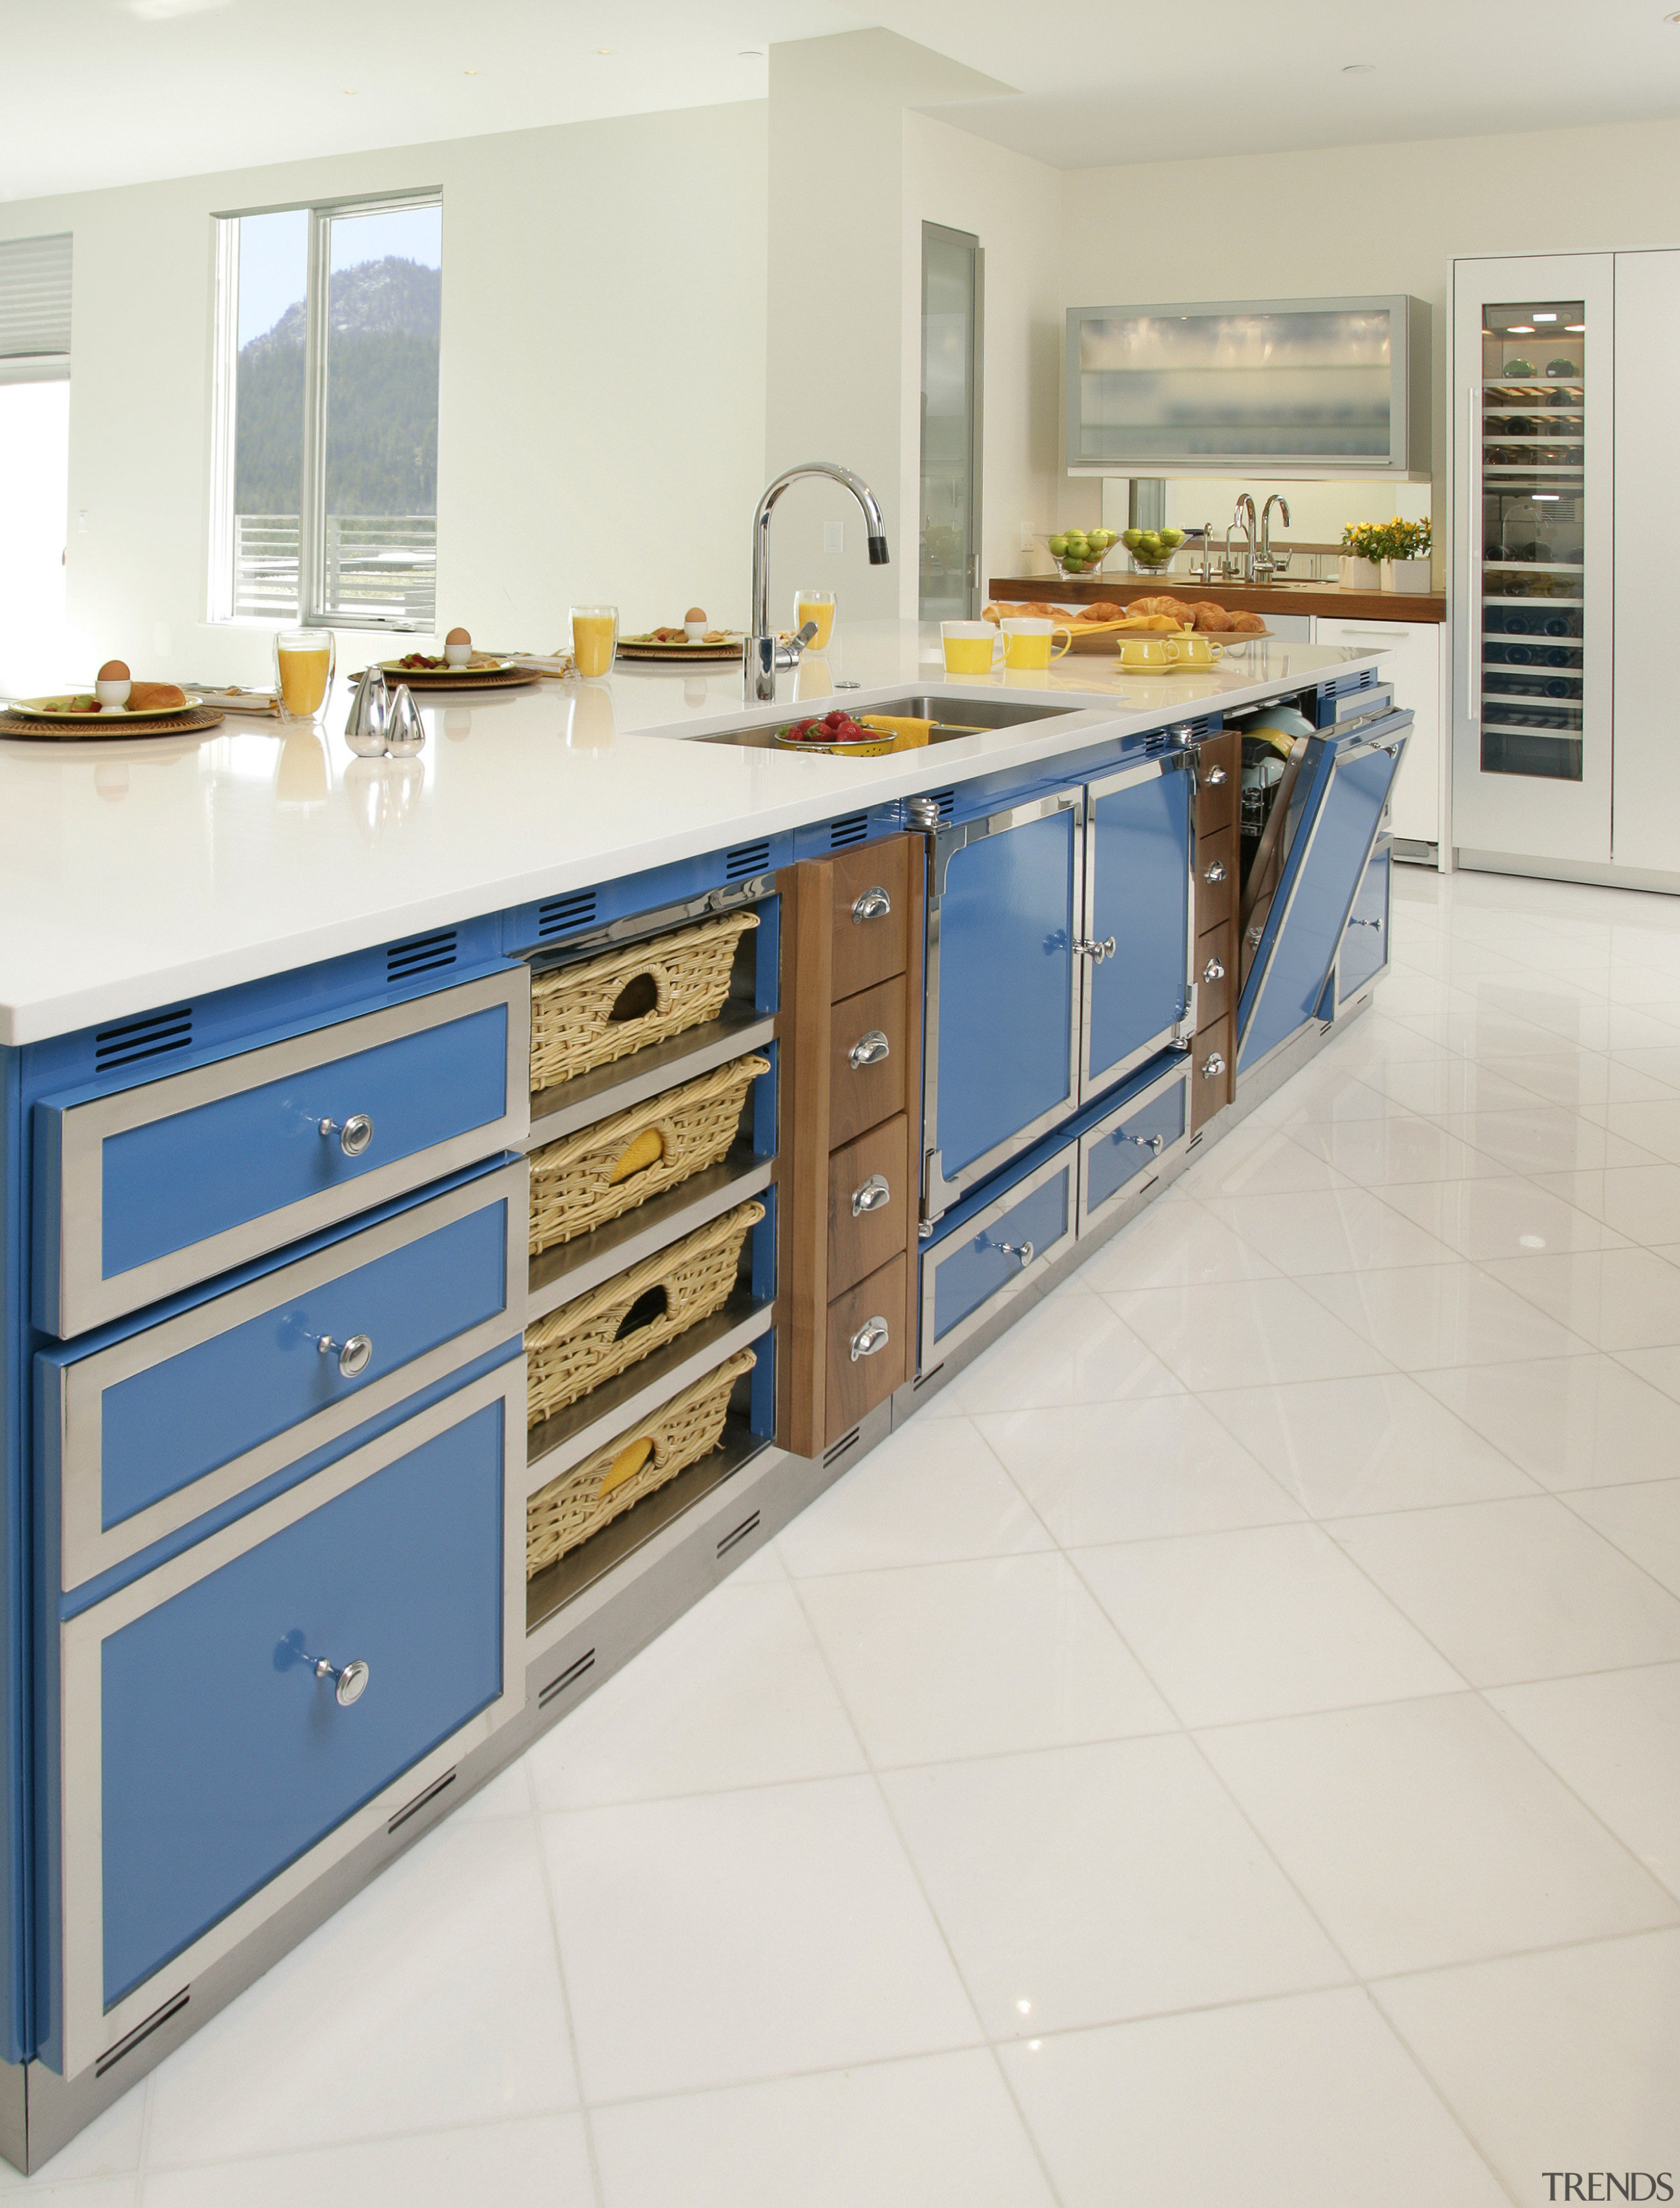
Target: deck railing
{"x": 383, "y": 565}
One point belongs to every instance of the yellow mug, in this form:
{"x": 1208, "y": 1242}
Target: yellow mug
{"x": 1150, "y": 651}
{"x": 1199, "y": 650}
{"x": 969, "y": 647}
{"x": 1028, "y": 639}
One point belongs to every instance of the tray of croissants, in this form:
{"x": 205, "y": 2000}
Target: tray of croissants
{"x": 1095, "y": 626}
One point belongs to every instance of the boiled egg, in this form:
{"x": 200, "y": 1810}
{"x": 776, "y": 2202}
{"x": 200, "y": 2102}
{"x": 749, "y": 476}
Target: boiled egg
{"x": 694, "y": 623}
{"x": 457, "y": 647}
{"x": 112, "y": 685}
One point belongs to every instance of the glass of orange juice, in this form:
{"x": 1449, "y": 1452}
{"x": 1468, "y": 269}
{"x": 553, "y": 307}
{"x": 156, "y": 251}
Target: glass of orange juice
{"x": 815, "y": 606}
{"x": 304, "y": 660}
{"x": 594, "y": 639}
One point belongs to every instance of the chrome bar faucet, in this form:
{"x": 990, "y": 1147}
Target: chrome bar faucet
{"x": 1244, "y": 512}
{"x": 1266, "y": 564}
{"x": 763, "y": 657}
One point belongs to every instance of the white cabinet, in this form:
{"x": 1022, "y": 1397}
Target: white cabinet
{"x": 1414, "y": 662}
{"x": 1644, "y": 822}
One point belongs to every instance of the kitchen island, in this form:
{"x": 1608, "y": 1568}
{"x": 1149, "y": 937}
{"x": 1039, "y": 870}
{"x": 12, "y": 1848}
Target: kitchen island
{"x": 458, "y": 1207}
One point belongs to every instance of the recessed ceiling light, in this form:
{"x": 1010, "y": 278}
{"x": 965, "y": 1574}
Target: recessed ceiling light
{"x": 350, "y": 92}
{"x": 1674, "y": 18}
{"x": 751, "y": 54}
{"x": 1357, "y": 69}
{"x": 469, "y": 72}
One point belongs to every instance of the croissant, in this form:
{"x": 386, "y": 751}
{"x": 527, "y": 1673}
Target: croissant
{"x": 1101, "y": 609}
{"x": 1248, "y": 624}
{"x": 1164, "y": 604}
{"x": 1208, "y": 615}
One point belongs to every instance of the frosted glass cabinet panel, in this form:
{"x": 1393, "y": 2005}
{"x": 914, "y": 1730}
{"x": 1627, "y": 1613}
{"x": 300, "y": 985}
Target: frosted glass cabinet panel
{"x": 1647, "y": 802}
{"x": 1303, "y": 387}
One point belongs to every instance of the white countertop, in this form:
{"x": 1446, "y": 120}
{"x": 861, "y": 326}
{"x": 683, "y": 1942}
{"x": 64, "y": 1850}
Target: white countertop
{"x": 134, "y": 872}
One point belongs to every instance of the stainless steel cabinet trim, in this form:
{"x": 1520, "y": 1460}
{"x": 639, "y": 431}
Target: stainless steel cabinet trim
{"x": 1179, "y": 761}
{"x": 87, "y": 1546}
{"x": 1136, "y": 1103}
{"x": 82, "y": 1297}
{"x": 88, "y": 2027}
{"x": 1065, "y": 1160}
{"x": 937, "y": 1192}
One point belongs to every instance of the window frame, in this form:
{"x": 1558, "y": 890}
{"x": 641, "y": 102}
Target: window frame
{"x": 224, "y": 385}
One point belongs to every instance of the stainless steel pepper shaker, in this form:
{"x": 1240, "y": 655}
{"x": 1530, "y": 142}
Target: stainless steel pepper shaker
{"x": 369, "y": 715}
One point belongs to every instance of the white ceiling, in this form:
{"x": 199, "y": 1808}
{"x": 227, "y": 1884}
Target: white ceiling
{"x": 106, "y": 91}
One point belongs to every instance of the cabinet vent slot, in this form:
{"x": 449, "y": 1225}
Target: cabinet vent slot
{"x": 744, "y": 860}
{"x": 732, "y": 1541}
{"x": 430, "y": 1794}
{"x": 113, "y": 2056}
{"x": 1156, "y": 741}
{"x": 133, "y": 1039}
{"x": 559, "y": 915}
{"x": 420, "y": 954}
{"x": 853, "y": 828}
{"x": 1195, "y": 1142}
{"x": 568, "y": 1678}
{"x": 1194, "y": 730}
{"x": 846, "y": 1442}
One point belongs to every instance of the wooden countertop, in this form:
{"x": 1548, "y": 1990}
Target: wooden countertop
{"x": 1238, "y": 597}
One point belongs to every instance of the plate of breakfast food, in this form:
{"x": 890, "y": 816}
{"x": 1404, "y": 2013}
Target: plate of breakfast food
{"x": 679, "y": 643}
{"x": 116, "y": 703}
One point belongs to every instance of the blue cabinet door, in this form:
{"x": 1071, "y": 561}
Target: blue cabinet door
{"x": 204, "y": 1755}
{"x": 1001, "y": 1061}
{"x": 1137, "y": 893}
{"x": 1126, "y": 1146}
{"x": 990, "y": 1253}
{"x": 1365, "y": 942}
{"x": 1347, "y": 780}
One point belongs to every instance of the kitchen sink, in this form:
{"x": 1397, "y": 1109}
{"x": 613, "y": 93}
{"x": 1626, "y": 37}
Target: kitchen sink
{"x": 951, "y": 718}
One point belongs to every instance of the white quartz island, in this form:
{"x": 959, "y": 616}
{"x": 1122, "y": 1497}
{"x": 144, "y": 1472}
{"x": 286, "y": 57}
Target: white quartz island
{"x": 132, "y": 872}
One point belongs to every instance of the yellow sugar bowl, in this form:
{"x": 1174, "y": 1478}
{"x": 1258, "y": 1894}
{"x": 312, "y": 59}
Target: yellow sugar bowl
{"x": 1140, "y": 655}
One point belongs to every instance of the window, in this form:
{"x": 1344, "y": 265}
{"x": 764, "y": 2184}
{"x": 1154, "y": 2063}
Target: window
{"x": 325, "y": 446}
{"x": 37, "y": 651}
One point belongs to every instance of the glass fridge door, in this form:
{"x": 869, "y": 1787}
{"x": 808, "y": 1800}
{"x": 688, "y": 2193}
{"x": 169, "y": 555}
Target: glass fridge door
{"x": 1533, "y": 566}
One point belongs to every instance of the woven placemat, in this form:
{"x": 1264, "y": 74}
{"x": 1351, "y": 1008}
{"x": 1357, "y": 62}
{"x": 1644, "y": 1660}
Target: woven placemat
{"x": 652, "y": 656}
{"x": 118, "y": 729}
{"x": 423, "y": 679}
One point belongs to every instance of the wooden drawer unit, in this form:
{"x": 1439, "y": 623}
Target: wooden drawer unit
{"x": 867, "y": 1043}
{"x": 868, "y": 1335}
{"x": 1210, "y": 1079}
{"x": 868, "y": 901}
{"x": 238, "y": 1718}
{"x": 1217, "y": 862}
{"x": 155, "y": 1187}
{"x": 851, "y": 1070}
{"x": 1219, "y": 781}
{"x": 867, "y": 1200}
{"x": 1212, "y": 976}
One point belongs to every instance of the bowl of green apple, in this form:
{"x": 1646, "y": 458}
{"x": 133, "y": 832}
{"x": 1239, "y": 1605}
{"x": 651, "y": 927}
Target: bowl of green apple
{"x": 1151, "y": 549}
{"x": 1080, "y": 552}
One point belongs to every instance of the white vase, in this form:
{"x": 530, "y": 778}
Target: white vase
{"x": 1359, "y": 575}
{"x": 1405, "y": 574}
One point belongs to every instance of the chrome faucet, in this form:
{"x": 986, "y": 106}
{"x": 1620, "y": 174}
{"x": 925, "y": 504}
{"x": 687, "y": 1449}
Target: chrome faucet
{"x": 763, "y": 657}
{"x": 1207, "y": 553}
{"x": 1244, "y": 512}
{"x": 1266, "y": 564}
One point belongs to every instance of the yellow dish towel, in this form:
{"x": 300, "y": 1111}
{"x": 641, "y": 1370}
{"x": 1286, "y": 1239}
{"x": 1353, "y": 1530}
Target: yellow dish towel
{"x": 907, "y": 734}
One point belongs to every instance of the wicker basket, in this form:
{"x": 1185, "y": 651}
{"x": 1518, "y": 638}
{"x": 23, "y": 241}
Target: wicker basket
{"x": 575, "y": 1349}
{"x": 580, "y": 1501}
{"x": 572, "y": 1184}
{"x": 604, "y": 1008}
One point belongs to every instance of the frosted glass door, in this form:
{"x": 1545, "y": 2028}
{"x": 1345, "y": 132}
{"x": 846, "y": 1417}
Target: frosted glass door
{"x": 1647, "y": 831}
{"x": 951, "y": 310}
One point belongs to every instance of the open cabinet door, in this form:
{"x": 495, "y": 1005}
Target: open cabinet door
{"x": 1346, "y": 780}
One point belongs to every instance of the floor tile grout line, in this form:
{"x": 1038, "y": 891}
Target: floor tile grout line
{"x": 1562, "y": 1495}
{"x": 348, "y": 2143}
{"x": 547, "y": 1875}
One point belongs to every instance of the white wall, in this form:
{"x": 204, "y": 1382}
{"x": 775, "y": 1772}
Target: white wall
{"x": 602, "y": 401}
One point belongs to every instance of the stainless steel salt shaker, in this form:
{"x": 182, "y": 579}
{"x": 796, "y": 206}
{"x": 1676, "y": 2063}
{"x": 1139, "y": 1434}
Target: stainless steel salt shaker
{"x": 405, "y": 730}
{"x": 369, "y": 715}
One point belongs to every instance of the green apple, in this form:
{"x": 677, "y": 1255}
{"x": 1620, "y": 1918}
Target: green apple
{"x": 1058, "y": 546}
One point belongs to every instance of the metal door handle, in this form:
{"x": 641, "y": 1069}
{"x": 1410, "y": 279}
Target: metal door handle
{"x": 352, "y": 1355}
{"x": 874, "y": 904}
{"x": 1215, "y": 872}
{"x": 875, "y": 1195}
{"x": 355, "y": 1135}
{"x": 1097, "y": 952}
{"x": 1024, "y": 1250}
{"x": 1213, "y": 971}
{"x": 870, "y": 1337}
{"x": 1148, "y": 1143}
{"x": 350, "y": 1680}
{"x": 1366, "y": 923}
{"x": 1213, "y": 1065}
{"x": 1215, "y": 776}
{"x": 869, "y": 1050}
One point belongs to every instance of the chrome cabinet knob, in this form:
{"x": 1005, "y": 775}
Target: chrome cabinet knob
{"x": 352, "y": 1355}
{"x": 874, "y": 904}
{"x": 1148, "y": 1143}
{"x": 875, "y": 1195}
{"x": 349, "y": 1680}
{"x": 871, "y": 1049}
{"x": 1097, "y": 952}
{"x": 1366, "y": 923}
{"x": 1215, "y": 872}
{"x": 1213, "y": 971}
{"x": 1213, "y": 1065}
{"x": 1215, "y": 776}
{"x": 355, "y": 1135}
{"x": 871, "y": 1337}
{"x": 1024, "y": 1250}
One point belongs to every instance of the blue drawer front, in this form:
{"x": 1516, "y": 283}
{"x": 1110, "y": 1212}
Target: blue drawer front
{"x": 223, "y": 1758}
{"x": 1140, "y": 855}
{"x": 181, "y": 1179}
{"x": 1117, "y": 1156}
{"x": 1364, "y": 946}
{"x": 970, "y": 1269}
{"x": 1005, "y": 981}
{"x": 169, "y": 1425}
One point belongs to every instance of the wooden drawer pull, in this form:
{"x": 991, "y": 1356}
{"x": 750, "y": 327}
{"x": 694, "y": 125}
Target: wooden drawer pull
{"x": 875, "y": 1195}
{"x": 874, "y": 904}
{"x": 870, "y": 1338}
{"x": 870, "y": 1049}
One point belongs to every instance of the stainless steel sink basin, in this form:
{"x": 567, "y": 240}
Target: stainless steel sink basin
{"x": 951, "y": 718}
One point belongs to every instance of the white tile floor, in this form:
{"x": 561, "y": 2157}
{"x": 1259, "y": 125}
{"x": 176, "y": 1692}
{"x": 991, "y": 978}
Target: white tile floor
{"x": 1226, "y": 1748}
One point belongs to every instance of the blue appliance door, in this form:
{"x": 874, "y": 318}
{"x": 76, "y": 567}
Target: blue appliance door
{"x": 1001, "y": 1060}
{"x": 1346, "y": 782}
{"x": 1137, "y": 899}
{"x": 1364, "y": 946}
